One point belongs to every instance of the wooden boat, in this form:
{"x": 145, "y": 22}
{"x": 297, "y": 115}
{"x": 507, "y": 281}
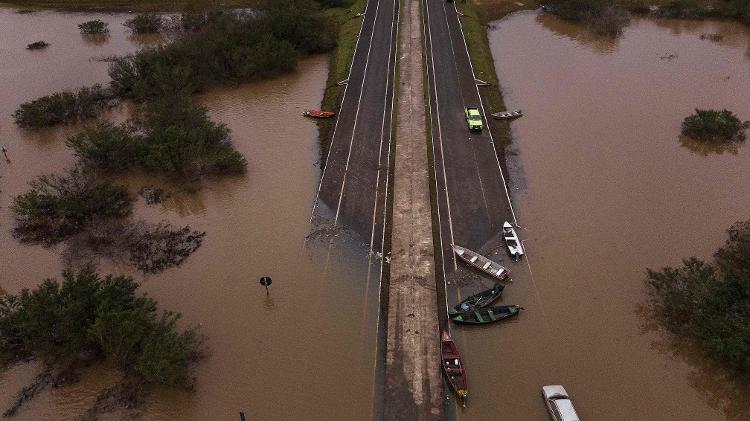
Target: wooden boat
{"x": 512, "y": 242}
{"x": 486, "y": 315}
{"x": 478, "y": 300}
{"x": 507, "y": 115}
{"x": 453, "y": 367}
{"x": 482, "y": 263}
{"x": 318, "y": 114}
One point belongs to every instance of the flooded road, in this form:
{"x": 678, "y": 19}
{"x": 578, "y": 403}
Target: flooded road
{"x": 604, "y": 189}
{"x": 307, "y": 350}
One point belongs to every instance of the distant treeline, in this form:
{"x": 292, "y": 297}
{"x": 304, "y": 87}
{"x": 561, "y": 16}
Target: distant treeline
{"x": 709, "y": 302}
{"x": 609, "y": 17}
{"x": 698, "y": 9}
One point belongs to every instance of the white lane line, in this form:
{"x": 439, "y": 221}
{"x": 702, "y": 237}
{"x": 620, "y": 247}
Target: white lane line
{"x": 425, "y": 29}
{"x": 341, "y": 107}
{"x": 463, "y": 101}
{"x": 440, "y": 139}
{"x": 481, "y": 104}
{"x": 356, "y": 116}
{"x": 389, "y": 80}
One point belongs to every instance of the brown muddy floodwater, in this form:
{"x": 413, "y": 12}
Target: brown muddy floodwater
{"x": 305, "y": 352}
{"x": 604, "y": 189}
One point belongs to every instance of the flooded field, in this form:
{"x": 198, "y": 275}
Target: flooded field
{"x": 306, "y": 350}
{"x": 604, "y": 189}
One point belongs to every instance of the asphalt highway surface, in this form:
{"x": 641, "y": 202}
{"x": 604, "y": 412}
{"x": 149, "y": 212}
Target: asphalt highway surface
{"x": 354, "y": 183}
{"x": 472, "y": 197}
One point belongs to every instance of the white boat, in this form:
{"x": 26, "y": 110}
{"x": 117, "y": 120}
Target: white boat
{"x": 511, "y": 241}
{"x": 507, "y": 115}
{"x": 482, "y": 263}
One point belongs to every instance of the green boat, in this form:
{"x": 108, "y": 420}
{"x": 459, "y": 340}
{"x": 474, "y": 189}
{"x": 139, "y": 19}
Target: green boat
{"x": 486, "y": 315}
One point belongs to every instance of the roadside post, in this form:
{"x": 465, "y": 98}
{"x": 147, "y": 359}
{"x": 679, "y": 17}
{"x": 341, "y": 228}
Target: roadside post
{"x": 266, "y": 281}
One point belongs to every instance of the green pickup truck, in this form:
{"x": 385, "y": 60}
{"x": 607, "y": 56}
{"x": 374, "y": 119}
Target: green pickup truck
{"x": 473, "y": 118}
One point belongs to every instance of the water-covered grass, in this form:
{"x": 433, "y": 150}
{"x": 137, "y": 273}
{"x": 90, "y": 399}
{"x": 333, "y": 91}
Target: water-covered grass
{"x": 477, "y": 15}
{"x": 341, "y": 60}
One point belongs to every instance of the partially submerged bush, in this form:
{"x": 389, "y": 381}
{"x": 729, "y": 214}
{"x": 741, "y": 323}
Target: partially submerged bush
{"x": 225, "y": 46}
{"x": 708, "y": 301}
{"x": 94, "y": 27}
{"x": 714, "y": 126}
{"x": 57, "y": 207}
{"x": 172, "y": 137}
{"x": 62, "y": 107}
{"x": 38, "y": 45}
{"x": 86, "y": 314}
{"x": 603, "y": 17}
{"x": 145, "y": 23}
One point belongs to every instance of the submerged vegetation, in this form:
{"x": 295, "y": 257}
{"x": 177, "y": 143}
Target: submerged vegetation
{"x": 87, "y": 317}
{"x": 95, "y": 26}
{"x": 62, "y": 107}
{"x": 603, "y": 17}
{"x": 58, "y": 206}
{"x": 172, "y": 137}
{"x": 147, "y": 23}
{"x": 225, "y": 47}
{"x": 709, "y": 302}
{"x": 713, "y": 126}
{"x": 37, "y": 45}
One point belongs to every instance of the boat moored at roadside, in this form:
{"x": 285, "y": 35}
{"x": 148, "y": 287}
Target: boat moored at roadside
{"x": 512, "y": 242}
{"x": 482, "y": 263}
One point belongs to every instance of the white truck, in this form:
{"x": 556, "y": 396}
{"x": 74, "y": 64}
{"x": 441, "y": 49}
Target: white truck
{"x": 558, "y": 403}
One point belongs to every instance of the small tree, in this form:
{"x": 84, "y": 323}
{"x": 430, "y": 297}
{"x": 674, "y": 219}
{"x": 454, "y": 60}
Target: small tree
{"x": 714, "y": 126}
{"x": 94, "y": 27}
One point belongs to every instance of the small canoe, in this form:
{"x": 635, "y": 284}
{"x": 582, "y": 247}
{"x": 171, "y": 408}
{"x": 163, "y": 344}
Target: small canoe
{"x": 318, "y": 114}
{"x": 512, "y": 242}
{"x": 482, "y": 263}
{"x": 453, "y": 367}
{"x": 507, "y": 115}
{"x": 486, "y": 315}
{"x": 479, "y": 300}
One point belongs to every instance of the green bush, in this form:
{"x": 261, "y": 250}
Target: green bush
{"x": 107, "y": 147}
{"x": 710, "y": 302}
{"x": 62, "y": 107}
{"x": 94, "y": 27}
{"x": 88, "y": 314}
{"x": 57, "y": 207}
{"x": 226, "y": 47}
{"x": 171, "y": 136}
{"x": 145, "y": 23}
{"x": 714, "y": 126}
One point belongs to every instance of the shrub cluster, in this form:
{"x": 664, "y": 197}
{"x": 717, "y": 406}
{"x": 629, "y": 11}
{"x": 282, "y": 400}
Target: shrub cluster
{"x": 94, "y": 27}
{"x": 86, "y": 314}
{"x": 57, "y": 207}
{"x": 145, "y": 23}
{"x": 171, "y": 137}
{"x": 603, "y": 17}
{"x": 62, "y": 107}
{"x": 714, "y": 126}
{"x": 710, "y": 302}
{"x": 226, "y": 46}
